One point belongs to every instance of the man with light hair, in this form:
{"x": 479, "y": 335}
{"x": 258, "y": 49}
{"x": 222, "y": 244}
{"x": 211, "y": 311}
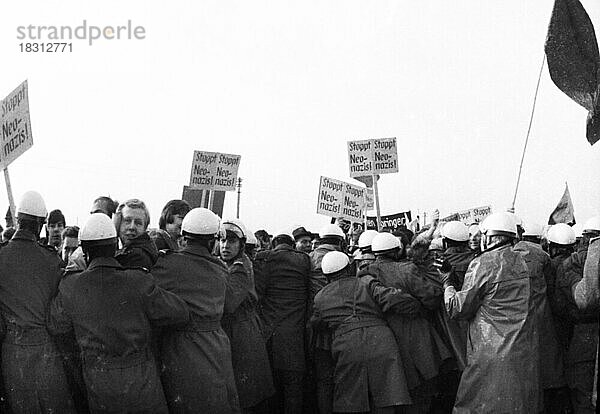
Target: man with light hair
{"x": 131, "y": 221}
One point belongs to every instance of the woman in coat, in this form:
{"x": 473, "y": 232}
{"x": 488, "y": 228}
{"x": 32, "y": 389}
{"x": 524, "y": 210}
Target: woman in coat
{"x": 241, "y": 323}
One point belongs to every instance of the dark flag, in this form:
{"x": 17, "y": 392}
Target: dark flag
{"x": 574, "y": 61}
{"x": 564, "y": 211}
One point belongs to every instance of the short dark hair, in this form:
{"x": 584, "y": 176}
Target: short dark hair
{"x": 109, "y": 206}
{"x": 30, "y": 223}
{"x": 56, "y": 216}
{"x": 172, "y": 208}
{"x": 102, "y": 250}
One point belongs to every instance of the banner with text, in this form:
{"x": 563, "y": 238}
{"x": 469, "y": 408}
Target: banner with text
{"x": 470, "y": 216}
{"x": 372, "y": 156}
{"x": 214, "y": 171}
{"x": 393, "y": 221}
{"x": 340, "y": 199}
{"x": 16, "y": 125}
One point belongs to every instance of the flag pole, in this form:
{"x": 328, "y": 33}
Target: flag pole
{"x": 528, "y": 131}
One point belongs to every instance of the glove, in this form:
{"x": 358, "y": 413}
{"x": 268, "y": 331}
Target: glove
{"x": 442, "y": 265}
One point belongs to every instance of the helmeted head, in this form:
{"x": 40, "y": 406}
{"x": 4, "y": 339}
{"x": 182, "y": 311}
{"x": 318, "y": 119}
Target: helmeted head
{"x": 366, "y": 239}
{"x": 334, "y": 262}
{"x": 498, "y": 228}
{"x": 31, "y": 212}
{"x": 232, "y": 244}
{"x": 455, "y": 233}
{"x": 591, "y": 227}
{"x": 200, "y": 224}
{"x": 332, "y": 234}
{"x": 561, "y": 240}
{"x": 532, "y": 231}
{"x": 384, "y": 244}
{"x": 98, "y": 236}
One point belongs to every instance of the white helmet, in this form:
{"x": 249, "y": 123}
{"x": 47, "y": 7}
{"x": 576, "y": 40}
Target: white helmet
{"x": 331, "y": 230}
{"x": 561, "y": 233}
{"x": 334, "y": 262}
{"x": 383, "y": 242}
{"x": 501, "y": 224}
{"x": 532, "y": 229}
{"x": 366, "y": 238}
{"x": 473, "y": 229}
{"x": 33, "y": 204}
{"x": 235, "y": 226}
{"x": 98, "y": 228}
{"x": 592, "y": 225}
{"x": 200, "y": 222}
{"x": 455, "y": 230}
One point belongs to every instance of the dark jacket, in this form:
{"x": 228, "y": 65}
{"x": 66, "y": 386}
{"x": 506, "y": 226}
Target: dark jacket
{"x": 368, "y": 365}
{"x": 422, "y": 349}
{"x": 139, "y": 252}
{"x": 459, "y": 258}
{"x": 111, "y": 310}
{"x": 551, "y": 358}
{"x": 197, "y": 370}
{"x": 501, "y": 376}
{"x": 281, "y": 277}
{"x": 34, "y": 377}
{"x": 240, "y": 321}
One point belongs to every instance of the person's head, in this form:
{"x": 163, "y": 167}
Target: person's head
{"x": 498, "y": 229}
{"x": 98, "y": 237}
{"x": 70, "y": 237}
{"x": 336, "y": 264}
{"x": 561, "y": 240}
{"x": 386, "y": 245}
{"x": 131, "y": 219}
{"x": 591, "y": 227}
{"x": 201, "y": 227}
{"x": 332, "y": 234}
{"x": 455, "y": 234}
{"x": 104, "y": 205}
{"x": 172, "y": 216}
{"x": 54, "y": 227}
{"x": 405, "y": 236}
{"x": 283, "y": 236}
{"x": 532, "y": 232}
{"x": 474, "y": 238}
{"x": 303, "y": 239}
{"x": 365, "y": 240}
{"x": 264, "y": 239}
{"x": 233, "y": 240}
{"x": 8, "y": 233}
{"x": 31, "y": 213}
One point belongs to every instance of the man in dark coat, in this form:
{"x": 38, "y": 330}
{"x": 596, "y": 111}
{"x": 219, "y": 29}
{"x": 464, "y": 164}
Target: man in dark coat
{"x": 112, "y": 309}
{"x": 281, "y": 277}
{"x": 34, "y": 377}
{"x": 552, "y": 373}
{"x": 331, "y": 238}
{"x": 197, "y": 370}
{"x": 422, "y": 349}
{"x": 581, "y": 353}
{"x": 131, "y": 221}
{"x": 496, "y": 299}
{"x": 369, "y": 376}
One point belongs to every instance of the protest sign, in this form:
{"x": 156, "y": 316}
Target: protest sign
{"x": 16, "y": 125}
{"x": 470, "y": 216}
{"x": 372, "y": 156}
{"x": 340, "y": 199}
{"x": 392, "y": 221}
{"x": 214, "y": 171}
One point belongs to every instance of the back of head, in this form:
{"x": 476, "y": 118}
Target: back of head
{"x": 98, "y": 236}
{"x": 283, "y": 236}
{"x": 384, "y": 243}
{"x": 104, "y": 205}
{"x": 455, "y": 232}
{"x": 334, "y": 262}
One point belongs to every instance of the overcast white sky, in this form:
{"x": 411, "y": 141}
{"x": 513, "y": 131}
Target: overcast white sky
{"x": 286, "y": 85}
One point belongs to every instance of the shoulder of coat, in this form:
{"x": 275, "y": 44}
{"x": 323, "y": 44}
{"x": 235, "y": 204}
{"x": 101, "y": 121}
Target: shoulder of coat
{"x": 48, "y": 247}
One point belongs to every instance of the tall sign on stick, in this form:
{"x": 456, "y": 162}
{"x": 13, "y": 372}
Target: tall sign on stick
{"x": 371, "y": 157}
{"x": 16, "y": 132}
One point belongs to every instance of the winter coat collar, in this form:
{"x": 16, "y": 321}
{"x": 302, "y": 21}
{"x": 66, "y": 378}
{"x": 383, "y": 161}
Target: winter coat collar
{"x": 104, "y": 262}
{"x": 24, "y": 235}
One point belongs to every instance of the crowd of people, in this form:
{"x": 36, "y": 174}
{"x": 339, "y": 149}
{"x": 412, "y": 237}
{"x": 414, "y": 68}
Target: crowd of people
{"x": 204, "y": 316}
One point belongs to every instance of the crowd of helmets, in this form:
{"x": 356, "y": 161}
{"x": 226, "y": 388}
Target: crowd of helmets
{"x": 293, "y": 322}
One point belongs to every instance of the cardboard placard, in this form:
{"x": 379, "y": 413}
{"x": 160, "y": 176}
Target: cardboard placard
{"x": 372, "y": 156}
{"x": 340, "y": 199}
{"x": 16, "y": 125}
{"x": 214, "y": 171}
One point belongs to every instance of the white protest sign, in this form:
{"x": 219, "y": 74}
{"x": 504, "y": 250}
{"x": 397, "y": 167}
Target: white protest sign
{"x": 372, "y": 156}
{"x": 470, "y": 216}
{"x": 340, "y": 199}
{"x": 16, "y": 125}
{"x": 214, "y": 171}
